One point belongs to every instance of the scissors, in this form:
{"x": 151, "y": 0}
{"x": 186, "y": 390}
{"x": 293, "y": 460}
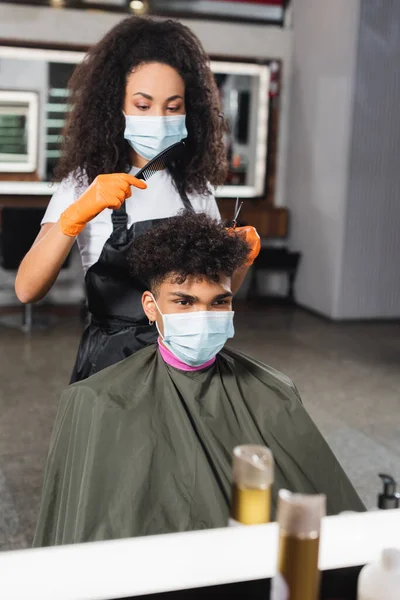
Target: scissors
{"x": 236, "y": 213}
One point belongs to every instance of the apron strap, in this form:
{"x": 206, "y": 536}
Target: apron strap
{"x": 120, "y": 225}
{"x": 186, "y": 202}
{"x": 119, "y": 217}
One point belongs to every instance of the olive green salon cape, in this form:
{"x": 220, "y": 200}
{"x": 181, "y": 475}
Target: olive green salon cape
{"x": 143, "y": 448}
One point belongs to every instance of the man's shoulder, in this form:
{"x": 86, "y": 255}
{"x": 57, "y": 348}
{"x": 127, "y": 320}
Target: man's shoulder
{"x": 245, "y": 365}
{"x": 115, "y": 378}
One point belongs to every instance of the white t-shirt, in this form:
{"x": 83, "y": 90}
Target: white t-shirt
{"x": 160, "y": 200}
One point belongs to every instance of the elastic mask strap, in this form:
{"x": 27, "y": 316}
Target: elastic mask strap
{"x": 162, "y": 316}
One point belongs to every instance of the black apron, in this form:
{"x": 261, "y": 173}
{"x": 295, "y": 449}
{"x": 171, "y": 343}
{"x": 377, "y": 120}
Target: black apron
{"x": 118, "y": 326}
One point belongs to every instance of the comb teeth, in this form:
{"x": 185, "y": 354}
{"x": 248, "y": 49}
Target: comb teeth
{"x": 161, "y": 161}
{"x": 157, "y": 165}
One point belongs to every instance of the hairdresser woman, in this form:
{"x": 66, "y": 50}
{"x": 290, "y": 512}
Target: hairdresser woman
{"x": 145, "y": 86}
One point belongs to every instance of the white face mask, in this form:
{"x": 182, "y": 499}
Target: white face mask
{"x": 148, "y": 136}
{"x": 196, "y": 337}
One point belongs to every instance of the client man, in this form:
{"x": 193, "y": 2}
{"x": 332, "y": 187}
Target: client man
{"x": 144, "y": 446}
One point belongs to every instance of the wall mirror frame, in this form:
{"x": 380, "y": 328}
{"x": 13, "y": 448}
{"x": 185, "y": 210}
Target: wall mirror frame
{"x": 19, "y": 126}
{"x": 245, "y": 94}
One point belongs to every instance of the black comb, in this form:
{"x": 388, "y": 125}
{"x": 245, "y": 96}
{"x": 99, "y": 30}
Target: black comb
{"x": 161, "y": 161}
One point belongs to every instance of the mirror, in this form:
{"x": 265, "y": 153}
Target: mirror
{"x": 18, "y": 131}
{"x": 244, "y": 96}
{"x": 40, "y": 77}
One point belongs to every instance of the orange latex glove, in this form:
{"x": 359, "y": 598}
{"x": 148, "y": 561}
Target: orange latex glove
{"x": 253, "y": 239}
{"x": 106, "y": 191}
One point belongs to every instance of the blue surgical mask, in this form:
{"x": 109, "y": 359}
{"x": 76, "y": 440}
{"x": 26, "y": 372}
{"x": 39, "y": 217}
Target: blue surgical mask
{"x": 196, "y": 337}
{"x": 148, "y": 136}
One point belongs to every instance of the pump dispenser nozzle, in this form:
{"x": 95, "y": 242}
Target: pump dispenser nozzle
{"x": 389, "y": 497}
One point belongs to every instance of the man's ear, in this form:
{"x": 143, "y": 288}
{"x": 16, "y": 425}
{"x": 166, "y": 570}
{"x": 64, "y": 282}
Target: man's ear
{"x": 149, "y": 306}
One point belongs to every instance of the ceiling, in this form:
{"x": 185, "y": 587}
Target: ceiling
{"x": 265, "y": 11}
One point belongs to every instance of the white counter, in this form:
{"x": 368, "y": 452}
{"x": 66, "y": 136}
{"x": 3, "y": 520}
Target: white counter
{"x": 126, "y": 568}
{"x": 41, "y": 188}
{"x": 27, "y": 188}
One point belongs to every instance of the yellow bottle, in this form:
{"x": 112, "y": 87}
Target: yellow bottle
{"x": 299, "y": 518}
{"x": 252, "y": 477}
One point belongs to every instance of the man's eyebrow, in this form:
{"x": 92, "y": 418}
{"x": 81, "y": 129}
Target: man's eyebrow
{"x": 222, "y": 296}
{"x": 183, "y": 296}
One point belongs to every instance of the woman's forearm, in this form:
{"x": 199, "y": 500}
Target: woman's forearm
{"x": 41, "y": 266}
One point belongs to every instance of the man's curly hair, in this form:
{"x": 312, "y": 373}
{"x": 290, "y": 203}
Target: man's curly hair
{"x": 94, "y": 133}
{"x": 189, "y": 245}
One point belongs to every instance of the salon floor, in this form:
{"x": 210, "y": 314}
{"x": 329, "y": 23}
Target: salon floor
{"x": 348, "y": 376}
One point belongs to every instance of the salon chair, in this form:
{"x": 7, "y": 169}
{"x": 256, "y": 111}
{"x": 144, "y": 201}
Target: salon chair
{"x": 19, "y": 228}
{"x": 275, "y": 260}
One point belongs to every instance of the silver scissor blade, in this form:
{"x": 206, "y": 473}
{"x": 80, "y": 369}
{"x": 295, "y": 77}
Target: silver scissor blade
{"x": 235, "y": 211}
{"x": 238, "y": 209}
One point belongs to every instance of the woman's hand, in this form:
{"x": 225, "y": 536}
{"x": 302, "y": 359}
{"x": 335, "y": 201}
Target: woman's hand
{"x": 253, "y": 239}
{"x": 106, "y": 191}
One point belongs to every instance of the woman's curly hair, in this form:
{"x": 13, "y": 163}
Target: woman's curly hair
{"x": 94, "y": 133}
{"x": 188, "y": 245}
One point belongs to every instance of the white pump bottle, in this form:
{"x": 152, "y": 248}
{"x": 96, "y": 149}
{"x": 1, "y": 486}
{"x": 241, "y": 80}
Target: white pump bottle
{"x": 381, "y": 580}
